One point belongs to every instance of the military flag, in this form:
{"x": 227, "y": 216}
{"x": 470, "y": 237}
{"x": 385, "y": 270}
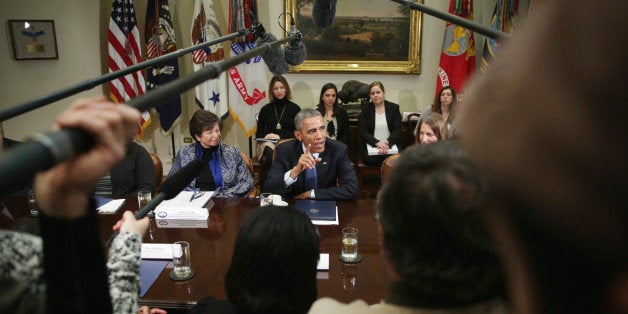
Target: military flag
{"x": 160, "y": 40}
{"x": 211, "y": 95}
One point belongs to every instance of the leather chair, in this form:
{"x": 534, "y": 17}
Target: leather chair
{"x": 159, "y": 170}
{"x": 249, "y": 165}
{"x": 387, "y": 166}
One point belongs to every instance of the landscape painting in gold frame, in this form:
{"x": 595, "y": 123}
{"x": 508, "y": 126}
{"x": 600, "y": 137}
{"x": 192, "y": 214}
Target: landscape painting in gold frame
{"x": 367, "y": 36}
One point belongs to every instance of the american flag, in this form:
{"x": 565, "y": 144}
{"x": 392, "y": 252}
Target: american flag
{"x": 124, "y": 51}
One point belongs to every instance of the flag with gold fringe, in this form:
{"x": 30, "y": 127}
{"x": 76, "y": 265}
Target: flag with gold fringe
{"x": 124, "y": 51}
{"x": 247, "y": 81}
{"x": 211, "y": 95}
{"x": 160, "y": 40}
{"x": 503, "y": 13}
{"x": 457, "y": 59}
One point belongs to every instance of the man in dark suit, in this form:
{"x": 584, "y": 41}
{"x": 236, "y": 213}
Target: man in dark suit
{"x": 312, "y": 166}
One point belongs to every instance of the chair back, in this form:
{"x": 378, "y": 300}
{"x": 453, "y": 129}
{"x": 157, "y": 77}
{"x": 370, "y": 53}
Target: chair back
{"x": 285, "y": 140}
{"x": 413, "y": 119}
{"x": 247, "y": 161}
{"x": 159, "y": 169}
{"x": 249, "y": 165}
{"x": 387, "y": 166}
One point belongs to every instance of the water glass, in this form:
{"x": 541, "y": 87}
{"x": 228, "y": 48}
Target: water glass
{"x": 143, "y": 198}
{"x": 181, "y": 259}
{"x": 33, "y": 210}
{"x": 349, "y": 244}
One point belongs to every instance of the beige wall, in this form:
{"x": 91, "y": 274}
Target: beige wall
{"x": 81, "y": 33}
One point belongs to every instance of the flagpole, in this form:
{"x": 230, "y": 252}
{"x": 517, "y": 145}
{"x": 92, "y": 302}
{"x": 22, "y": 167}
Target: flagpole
{"x": 476, "y": 27}
{"x": 91, "y": 83}
{"x": 43, "y": 151}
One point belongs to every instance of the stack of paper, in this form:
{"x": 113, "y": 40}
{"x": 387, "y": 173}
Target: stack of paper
{"x": 372, "y": 150}
{"x": 184, "y": 207}
{"x": 106, "y": 205}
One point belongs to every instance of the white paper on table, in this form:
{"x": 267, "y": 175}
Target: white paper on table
{"x": 156, "y": 251}
{"x": 182, "y": 200}
{"x": 372, "y": 150}
{"x": 323, "y": 262}
{"x": 110, "y": 207}
{"x": 180, "y": 213}
{"x": 327, "y": 222}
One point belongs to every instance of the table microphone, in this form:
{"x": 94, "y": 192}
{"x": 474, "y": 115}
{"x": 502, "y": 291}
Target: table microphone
{"x": 173, "y": 186}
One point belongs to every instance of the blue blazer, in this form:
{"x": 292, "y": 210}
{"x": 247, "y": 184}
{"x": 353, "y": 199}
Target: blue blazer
{"x": 335, "y": 175}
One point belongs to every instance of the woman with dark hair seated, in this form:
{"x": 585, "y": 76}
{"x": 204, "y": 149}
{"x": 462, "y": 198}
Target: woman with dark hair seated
{"x": 335, "y": 116}
{"x": 226, "y": 173}
{"x": 273, "y": 268}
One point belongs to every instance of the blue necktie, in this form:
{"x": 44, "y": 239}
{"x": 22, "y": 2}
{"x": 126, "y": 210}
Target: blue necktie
{"x": 310, "y": 179}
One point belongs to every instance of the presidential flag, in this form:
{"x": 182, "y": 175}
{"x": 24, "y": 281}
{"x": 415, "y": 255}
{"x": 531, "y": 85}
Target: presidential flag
{"x": 247, "y": 81}
{"x": 124, "y": 51}
{"x": 457, "y": 59}
{"x": 211, "y": 95}
{"x": 503, "y": 13}
{"x": 160, "y": 40}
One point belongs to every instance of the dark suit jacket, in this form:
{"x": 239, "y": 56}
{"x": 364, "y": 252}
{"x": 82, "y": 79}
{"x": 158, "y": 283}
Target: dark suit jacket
{"x": 335, "y": 174}
{"x": 367, "y": 124}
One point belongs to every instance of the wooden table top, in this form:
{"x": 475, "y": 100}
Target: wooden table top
{"x": 212, "y": 247}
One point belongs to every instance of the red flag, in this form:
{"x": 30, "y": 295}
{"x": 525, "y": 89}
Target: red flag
{"x": 457, "y": 59}
{"x": 124, "y": 50}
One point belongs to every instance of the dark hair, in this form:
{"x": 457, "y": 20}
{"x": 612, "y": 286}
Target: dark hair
{"x": 321, "y": 103}
{"x": 436, "y": 123}
{"x": 433, "y": 233}
{"x": 273, "y": 268}
{"x": 203, "y": 120}
{"x": 282, "y": 80}
{"x": 436, "y": 106}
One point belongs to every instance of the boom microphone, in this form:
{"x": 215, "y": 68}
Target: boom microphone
{"x": 323, "y": 12}
{"x": 173, "y": 186}
{"x": 295, "y": 51}
{"x": 274, "y": 57}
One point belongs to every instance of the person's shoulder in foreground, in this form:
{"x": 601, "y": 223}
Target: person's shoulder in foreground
{"x": 329, "y": 305}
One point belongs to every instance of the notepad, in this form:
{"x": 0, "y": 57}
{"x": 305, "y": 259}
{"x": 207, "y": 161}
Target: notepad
{"x": 323, "y": 262}
{"x": 149, "y": 271}
{"x": 372, "y": 150}
{"x": 320, "y": 212}
{"x": 106, "y": 205}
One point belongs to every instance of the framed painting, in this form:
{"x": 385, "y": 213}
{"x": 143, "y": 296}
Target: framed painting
{"x": 33, "y": 39}
{"x": 367, "y": 36}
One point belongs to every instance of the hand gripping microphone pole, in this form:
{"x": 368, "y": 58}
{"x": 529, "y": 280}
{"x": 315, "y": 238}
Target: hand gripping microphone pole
{"x": 43, "y": 151}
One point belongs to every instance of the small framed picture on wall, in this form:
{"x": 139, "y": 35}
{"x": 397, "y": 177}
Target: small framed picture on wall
{"x": 33, "y": 39}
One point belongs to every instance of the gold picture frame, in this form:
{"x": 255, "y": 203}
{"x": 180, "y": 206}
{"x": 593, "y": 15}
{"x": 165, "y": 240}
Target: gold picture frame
{"x": 355, "y": 34}
{"x": 33, "y": 39}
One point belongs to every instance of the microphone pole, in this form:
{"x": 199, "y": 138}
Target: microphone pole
{"x": 468, "y": 24}
{"x": 91, "y": 83}
{"x": 44, "y": 150}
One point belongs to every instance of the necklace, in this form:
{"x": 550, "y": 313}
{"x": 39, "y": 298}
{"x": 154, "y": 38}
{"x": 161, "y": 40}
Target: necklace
{"x": 278, "y": 126}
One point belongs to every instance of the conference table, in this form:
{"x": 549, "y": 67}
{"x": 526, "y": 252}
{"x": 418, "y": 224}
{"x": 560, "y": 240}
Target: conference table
{"x": 212, "y": 247}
